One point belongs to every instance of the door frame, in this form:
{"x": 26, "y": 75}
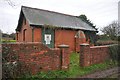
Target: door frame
{"x": 48, "y": 31}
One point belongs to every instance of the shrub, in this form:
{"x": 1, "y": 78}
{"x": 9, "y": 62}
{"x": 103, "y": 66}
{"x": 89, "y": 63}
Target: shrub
{"x": 119, "y": 38}
{"x": 113, "y": 51}
{"x": 11, "y": 66}
{"x": 9, "y": 70}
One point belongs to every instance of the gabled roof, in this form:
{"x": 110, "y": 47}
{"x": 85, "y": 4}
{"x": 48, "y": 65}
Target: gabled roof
{"x": 44, "y": 17}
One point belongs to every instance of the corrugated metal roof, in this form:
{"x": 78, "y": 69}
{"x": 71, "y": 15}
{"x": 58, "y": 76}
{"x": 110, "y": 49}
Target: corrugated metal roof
{"x": 45, "y": 17}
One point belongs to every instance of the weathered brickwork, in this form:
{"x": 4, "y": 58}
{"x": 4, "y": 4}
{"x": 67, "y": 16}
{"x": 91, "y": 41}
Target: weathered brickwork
{"x": 25, "y": 35}
{"x": 79, "y": 41}
{"x": 36, "y": 57}
{"x": 68, "y": 37}
{"x": 65, "y": 56}
{"x": 65, "y": 37}
{"x": 93, "y": 55}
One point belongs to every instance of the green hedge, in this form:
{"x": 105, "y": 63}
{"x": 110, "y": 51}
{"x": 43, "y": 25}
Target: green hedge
{"x": 119, "y": 38}
{"x": 114, "y": 52}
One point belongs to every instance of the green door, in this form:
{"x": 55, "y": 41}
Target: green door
{"x": 48, "y": 37}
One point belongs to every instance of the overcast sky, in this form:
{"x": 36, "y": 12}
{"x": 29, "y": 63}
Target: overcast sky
{"x": 100, "y": 12}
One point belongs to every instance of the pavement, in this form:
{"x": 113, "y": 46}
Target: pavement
{"x": 115, "y": 72}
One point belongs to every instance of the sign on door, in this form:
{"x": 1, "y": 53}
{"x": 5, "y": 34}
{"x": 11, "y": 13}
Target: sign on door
{"x": 47, "y": 38}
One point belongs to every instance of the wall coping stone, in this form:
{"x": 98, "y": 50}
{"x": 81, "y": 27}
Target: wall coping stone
{"x": 63, "y": 46}
{"x": 84, "y": 44}
{"x": 98, "y": 46}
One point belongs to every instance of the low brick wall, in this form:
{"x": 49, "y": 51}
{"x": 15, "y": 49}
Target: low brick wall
{"x": 93, "y": 55}
{"x": 43, "y": 60}
{"x": 99, "y": 54}
{"x": 35, "y": 57}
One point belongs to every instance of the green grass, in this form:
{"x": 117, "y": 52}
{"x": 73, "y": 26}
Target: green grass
{"x": 8, "y": 41}
{"x": 74, "y": 69}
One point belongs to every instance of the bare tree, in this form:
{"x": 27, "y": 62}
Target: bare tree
{"x": 11, "y": 3}
{"x": 112, "y": 30}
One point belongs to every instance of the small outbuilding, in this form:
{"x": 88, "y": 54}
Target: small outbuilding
{"x": 53, "y": 28}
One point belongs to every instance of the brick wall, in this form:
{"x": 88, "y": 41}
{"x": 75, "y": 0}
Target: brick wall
{"x": 93, "y": 55}
{"x": 65, "y": 56}
{"x": 36, "y": 57}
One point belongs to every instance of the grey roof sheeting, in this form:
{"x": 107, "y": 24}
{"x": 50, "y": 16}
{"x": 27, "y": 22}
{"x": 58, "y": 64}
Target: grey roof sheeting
{"x": 42, "y": 17}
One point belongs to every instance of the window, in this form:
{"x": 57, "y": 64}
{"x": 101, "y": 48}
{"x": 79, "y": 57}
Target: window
{"x": 24, "y": 33}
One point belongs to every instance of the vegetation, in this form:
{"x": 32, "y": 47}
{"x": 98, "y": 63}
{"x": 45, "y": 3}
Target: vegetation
{"x": 105, "y": 40}
{"x": 13, "y": 69}
{"x": 84, "y": 18}
{"x": 112, "y": 30}
{"x": 8, "y": 41}
{"x": 8, "y": 38}
{"x": 109, "y": 42}
{"x": 74, "y": 69}
{"x": 5, "y": 35}
{"x": 111, "y": 34}
{"x": 113, "y": 50}
{"x": 89, "y": 34}
{"x": 9, "y": 69}
{"x": 119, "y": 38}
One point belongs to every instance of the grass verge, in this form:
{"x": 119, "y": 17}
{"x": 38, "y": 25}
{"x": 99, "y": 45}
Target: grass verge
{"x": 8, "y": 41}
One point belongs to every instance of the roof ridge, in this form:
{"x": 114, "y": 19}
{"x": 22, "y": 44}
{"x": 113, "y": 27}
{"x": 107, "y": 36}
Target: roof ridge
{"x": 49, "y": 11}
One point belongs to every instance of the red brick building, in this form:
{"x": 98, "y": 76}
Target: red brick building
{"x": 52, "y": 28}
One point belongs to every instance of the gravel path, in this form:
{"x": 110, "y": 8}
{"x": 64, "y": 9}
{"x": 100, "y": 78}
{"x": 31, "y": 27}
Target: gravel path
{"x": 104, "y": 74}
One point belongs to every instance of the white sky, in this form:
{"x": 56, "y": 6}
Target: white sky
{"x": 100, "y": 12}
